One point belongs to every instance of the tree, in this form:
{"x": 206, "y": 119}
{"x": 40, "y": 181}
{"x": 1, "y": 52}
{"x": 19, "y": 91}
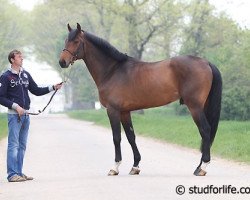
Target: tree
{"x": 49, "y": 42}
{"x": 151, "y": 30}
{"x": 13, "y": 32}
{"x": 222, "y": 42}
{"x": 98, "y": 16}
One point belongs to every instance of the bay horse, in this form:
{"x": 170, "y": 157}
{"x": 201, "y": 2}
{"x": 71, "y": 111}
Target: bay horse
{"x": 126, "y": 84}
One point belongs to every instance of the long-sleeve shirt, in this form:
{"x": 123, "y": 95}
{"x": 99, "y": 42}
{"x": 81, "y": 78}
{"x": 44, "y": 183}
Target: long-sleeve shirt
{"x": 14, "y": 89}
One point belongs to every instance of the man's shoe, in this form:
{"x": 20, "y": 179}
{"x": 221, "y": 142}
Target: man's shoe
{"x": 27, "y": 178}
{"x": 16, "y": 178}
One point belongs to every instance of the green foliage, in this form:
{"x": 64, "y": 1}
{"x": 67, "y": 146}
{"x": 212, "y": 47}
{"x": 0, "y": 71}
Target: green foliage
{"x": 12, "y": 33}
{"x": 232, "y": 140}
{"x": 222, "y": 42}
{"x": 83, "y": 84}
{"x": 236, "y": 104}
{"x": 3, "y": 125}
{"x": 127, "y": 25}
{"x": 152, "y": 30}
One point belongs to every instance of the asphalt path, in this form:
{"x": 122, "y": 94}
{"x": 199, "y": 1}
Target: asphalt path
{"x": 70, "y": 159}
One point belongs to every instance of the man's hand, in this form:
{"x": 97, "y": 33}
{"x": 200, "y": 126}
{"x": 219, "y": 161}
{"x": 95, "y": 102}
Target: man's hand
{"x": 20, "y": 110}
{"x": 57, "y": 86}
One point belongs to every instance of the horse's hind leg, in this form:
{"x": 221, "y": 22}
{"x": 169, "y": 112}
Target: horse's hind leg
{"x": 128, "y": 128}
{"x": 114, "y": 118}
{"x": 204, "y": 129}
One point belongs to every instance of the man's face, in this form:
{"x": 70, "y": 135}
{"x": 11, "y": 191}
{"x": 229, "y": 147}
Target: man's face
{"x": 18, "y": 60}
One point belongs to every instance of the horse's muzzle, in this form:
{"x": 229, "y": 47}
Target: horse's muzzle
{"x": 62, "y": 63}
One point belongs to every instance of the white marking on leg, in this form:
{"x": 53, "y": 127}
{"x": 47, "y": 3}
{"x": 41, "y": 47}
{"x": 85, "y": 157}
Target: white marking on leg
{"x": 204, "y": 165}
{"x": 136, "y": 168}
{"x": 116, "y": 166}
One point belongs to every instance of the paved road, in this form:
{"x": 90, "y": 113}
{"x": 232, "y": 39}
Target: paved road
{"x": 70, "y": 160}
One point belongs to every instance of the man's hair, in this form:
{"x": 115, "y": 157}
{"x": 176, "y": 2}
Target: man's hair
{"x": 12, "y": 54}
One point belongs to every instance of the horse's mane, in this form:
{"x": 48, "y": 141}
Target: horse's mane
{"x": 106, "y": 47}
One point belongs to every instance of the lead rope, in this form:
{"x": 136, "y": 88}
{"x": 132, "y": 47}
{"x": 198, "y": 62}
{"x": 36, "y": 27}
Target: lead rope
{"x": 65, "y": 80}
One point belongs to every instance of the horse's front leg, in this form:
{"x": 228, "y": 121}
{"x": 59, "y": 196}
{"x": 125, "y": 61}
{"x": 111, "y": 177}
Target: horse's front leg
{"x": 129, "y": 130}
{"x": 115, "y": 118}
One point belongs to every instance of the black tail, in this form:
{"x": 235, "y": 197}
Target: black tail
{"x": 213, "y": 104}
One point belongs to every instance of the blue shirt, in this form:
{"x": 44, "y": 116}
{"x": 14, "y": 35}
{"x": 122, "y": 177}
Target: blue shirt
{"x": 14, "y": 89}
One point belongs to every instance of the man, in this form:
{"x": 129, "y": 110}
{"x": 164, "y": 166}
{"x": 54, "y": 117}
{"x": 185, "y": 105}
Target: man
{"x": 14, "y": 86}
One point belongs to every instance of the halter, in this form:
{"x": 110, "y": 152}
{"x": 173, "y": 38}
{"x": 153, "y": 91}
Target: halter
{"x": 74, "y": 55}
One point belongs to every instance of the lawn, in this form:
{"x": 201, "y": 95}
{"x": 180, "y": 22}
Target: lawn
{"x": 3, "y": 125}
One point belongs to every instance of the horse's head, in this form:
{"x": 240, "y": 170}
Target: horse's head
{"x": 73, "y": 49}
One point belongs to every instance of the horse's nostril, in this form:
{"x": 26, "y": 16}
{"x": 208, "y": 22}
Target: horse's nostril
{"x": 62, "y": 63}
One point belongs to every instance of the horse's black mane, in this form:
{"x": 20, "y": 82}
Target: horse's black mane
{"x": 101, "y": 44}
{"x": 106, "y": 47}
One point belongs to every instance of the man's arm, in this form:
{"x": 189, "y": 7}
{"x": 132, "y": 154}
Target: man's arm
{"x": 3, "y": 93}
{"x": 38, "y": 91}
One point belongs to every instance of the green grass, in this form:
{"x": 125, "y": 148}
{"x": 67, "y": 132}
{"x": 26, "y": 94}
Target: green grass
{"x": 232, "y": 140}
{"x": 3, "y": 126}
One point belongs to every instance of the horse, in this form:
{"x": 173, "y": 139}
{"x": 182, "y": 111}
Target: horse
{"x": 127, "y": 84}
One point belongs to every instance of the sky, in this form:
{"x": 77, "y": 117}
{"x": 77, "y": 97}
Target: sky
{"x": 238, "y": 10}
{"x": 26, "y": 4}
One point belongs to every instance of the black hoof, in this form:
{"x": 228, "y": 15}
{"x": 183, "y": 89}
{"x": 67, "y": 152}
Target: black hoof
{"x": 200, "y": 172}
{"x": 113, "y": 173}
{"x": 134, "y": 171}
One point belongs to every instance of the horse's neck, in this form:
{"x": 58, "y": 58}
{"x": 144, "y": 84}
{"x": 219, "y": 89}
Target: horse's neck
{"x": 98, "y": 64}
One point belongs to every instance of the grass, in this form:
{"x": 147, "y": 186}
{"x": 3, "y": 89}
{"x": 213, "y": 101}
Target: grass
{"x": 3, "y": 125}
{"x": 232, "y": 140}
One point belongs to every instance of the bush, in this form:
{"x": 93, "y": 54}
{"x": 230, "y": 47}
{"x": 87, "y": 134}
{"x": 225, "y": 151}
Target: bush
{"x": 236, "y": 104}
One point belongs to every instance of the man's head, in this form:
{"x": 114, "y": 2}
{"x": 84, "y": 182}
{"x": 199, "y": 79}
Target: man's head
{"x": 15, "y": 57}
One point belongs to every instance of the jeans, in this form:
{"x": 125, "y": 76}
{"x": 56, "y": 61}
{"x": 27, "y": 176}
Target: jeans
{"x": 17, "y": 140}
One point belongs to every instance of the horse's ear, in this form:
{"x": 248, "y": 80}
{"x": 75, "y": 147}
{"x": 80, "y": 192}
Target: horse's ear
{"x": 79, "y": 27}
{"x": 69, "y": 28}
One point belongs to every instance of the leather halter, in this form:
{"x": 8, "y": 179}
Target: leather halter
{"x": 74, "y": 55}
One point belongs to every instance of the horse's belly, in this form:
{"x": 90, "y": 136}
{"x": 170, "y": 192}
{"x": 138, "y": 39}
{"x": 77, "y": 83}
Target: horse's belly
{"x": 155, "y": 99}
{"x": 140, "y": 99}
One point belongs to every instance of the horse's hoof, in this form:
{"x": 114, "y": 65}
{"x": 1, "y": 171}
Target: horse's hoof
{"x": 134, "y": 171}
{"x": 113, "y": 173}
{"x": 200, "y": 172}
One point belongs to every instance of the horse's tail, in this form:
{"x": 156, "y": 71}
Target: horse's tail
{"x": 213, "y": 104}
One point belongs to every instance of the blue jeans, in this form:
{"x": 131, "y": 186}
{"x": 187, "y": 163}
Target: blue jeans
{"x": 17, "y": 140}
